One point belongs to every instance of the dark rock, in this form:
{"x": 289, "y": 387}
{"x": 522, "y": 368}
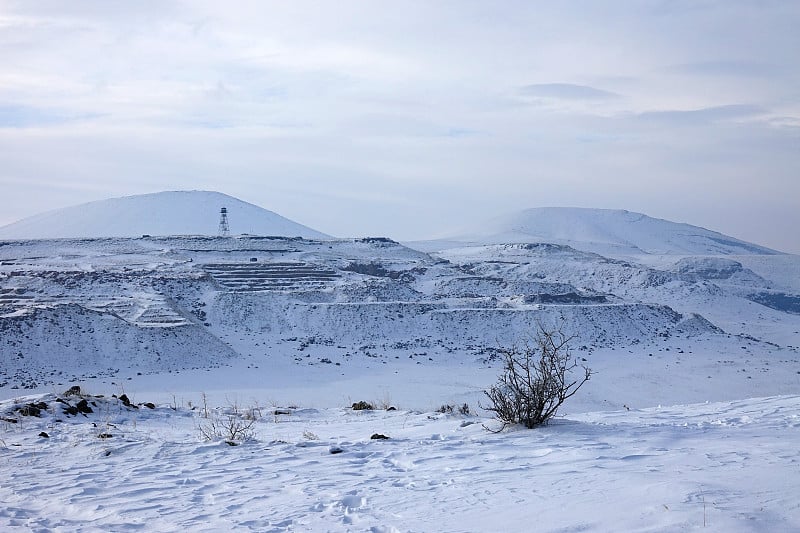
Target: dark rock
{"x": 335, "y": 449}
{"x": 788, "y": 303}
{"x": 149, "y": 405}
{"x": 83, "y": 407}
{"x": 391, "y": 408}
{"x": 71, "y": 410}
{"x": 378, "y": 436}
{"x": 75, "y": 390}
{"x": 363, "y": 406}
{"x": 30, "y": 410}
{"x": 9, "y": 420}
{"x": 565, "y": 298}
{"x": 105, "y": 436}
{"x": 378, "y": 270}
{"x": 44, "y": 435}
{"x": 125, "y": 400}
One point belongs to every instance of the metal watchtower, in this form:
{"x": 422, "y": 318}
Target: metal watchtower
{"x": 224, "y": 230}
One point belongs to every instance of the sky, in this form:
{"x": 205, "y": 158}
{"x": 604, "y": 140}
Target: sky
{"x": 410, "y": 119}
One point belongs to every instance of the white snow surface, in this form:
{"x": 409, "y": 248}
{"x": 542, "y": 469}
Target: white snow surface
{"x": 605, "y": 231}
{"x": 162, "y": 213}
{"x": 690, "y": 421}
{"x": 728, "y": 466}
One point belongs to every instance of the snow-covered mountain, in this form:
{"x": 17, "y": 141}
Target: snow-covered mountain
{"x": 603, "y": 231}
{"x": 75, "y": 308}
{"x": 162, "y": 213}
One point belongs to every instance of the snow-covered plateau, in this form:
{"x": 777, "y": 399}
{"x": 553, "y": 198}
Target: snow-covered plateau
{"x": 691, "y": 420}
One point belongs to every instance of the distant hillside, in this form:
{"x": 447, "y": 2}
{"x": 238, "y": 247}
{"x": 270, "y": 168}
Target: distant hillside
{"x": 603, "y": 231}
{"x": 162, "y": 213}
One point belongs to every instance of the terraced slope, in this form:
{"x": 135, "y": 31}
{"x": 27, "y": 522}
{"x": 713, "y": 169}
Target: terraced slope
{"x": 270, "y": 276}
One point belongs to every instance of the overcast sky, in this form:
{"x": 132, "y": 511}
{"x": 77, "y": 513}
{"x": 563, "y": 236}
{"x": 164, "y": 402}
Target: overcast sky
{"x": 410, "y": 119}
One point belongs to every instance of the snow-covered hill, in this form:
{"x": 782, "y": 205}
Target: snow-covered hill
{"x": 159, "y": 303}
{"x": 604, "y": 231}
{"x": 162, "y": 213}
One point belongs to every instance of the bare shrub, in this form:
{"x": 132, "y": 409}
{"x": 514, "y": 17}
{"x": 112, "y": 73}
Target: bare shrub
{"x": 233, "y": 426}
{"x": 204, "y": 399}
{"x": 448, "y": 409}
{"x": 385, "y": 404}
{"x": 537, "y": 378}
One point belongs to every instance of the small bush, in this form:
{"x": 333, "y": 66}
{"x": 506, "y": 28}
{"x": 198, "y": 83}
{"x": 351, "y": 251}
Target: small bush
{"x": 536, "y": 380}
{"x": 450, "y": 409}
{"x": 233, "y": 427}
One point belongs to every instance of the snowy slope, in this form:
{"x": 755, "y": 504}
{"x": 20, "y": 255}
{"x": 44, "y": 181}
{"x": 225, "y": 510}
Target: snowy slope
{"x": 71, "y": 309}
{"x": 71, "y": 341}
{"x": 354, "y": 299}
{"x": 604, "y": 231}
{"x": 162, "y": 213}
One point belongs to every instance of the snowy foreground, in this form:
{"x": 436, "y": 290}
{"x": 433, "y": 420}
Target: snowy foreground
{"x": 728, "y": 466}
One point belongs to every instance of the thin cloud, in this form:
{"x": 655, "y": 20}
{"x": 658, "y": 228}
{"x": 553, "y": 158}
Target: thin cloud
{"x": 566, "y": 91}
{"x": 704, "y": 115}
{"x": 748, "y": 69}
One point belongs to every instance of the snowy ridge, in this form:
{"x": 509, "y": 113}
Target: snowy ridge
{"x": 426, "y": 325}
{"x": 69, "y": 342}
{"x": 349, "y": 301}
{"x": 143, "y": 310}
{"x": 163, "y": 213}
{"x": 604, "y": 231}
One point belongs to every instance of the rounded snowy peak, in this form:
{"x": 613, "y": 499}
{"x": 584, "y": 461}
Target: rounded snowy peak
{"x": 608, "y": 231}
{"x": 161, "y": 213}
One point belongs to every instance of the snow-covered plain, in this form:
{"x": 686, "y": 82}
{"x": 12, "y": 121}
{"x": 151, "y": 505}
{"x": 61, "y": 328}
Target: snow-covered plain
{"x": 689, "y": 422}
{"x": 728, "y": 466}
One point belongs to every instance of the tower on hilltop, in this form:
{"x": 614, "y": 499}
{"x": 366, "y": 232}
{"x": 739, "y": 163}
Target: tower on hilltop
{"x": 224, "y": 230}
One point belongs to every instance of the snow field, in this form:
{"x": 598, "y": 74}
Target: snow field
{"x": 725, "y": 466}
